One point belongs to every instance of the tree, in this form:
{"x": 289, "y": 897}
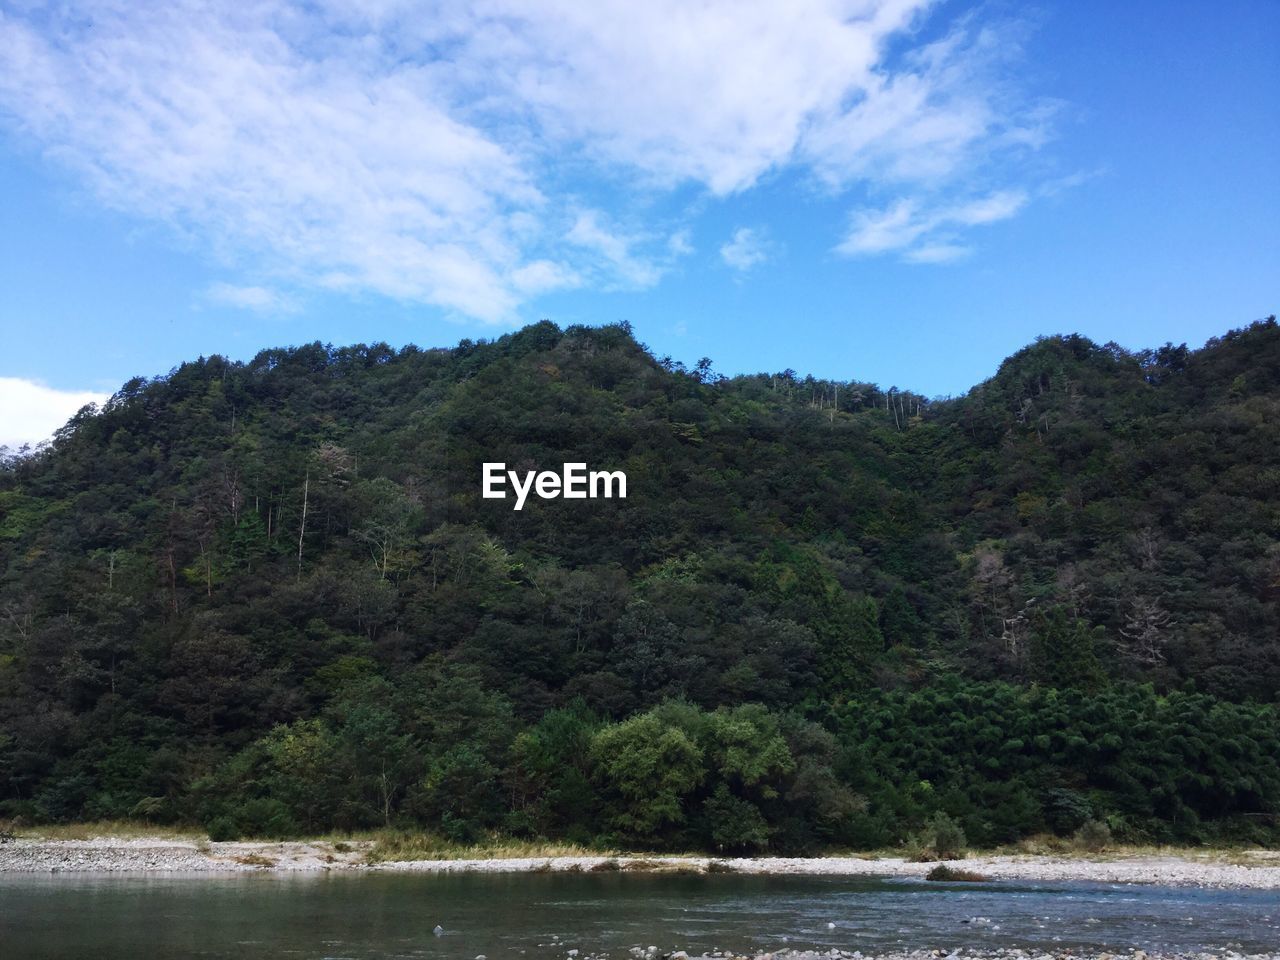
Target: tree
{"x": 649, "y": 765}
{"x": 1064, "y": 650}
{"x": 1145, "y": 632}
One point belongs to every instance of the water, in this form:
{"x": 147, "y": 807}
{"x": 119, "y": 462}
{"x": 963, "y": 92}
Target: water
{"x": 519, "y": 916}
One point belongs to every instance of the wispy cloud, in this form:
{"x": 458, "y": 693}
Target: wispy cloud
{"x": 939, "y": 113}
{"x": 626, "y": 260}
{"x": 745, "y": 249}
{"x": 924, "y": 234}
{"x": 257, "y": 127}
{"x": 30, "y": 412}
{"x": 936, "y": 253}
{"x": 439, "y": 154}
{"x": 680, "y": 243}
{"x": 262, "y": 300}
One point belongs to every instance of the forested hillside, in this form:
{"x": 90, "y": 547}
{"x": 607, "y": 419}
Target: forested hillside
{"x": 268, "y": 598}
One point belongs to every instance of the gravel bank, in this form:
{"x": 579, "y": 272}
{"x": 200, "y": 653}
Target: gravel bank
{"x": 1170, "y": 871}
{"x": 159, "y": 855}
{"x": 961, "y": 954}
{"x": 1263, "y": 872}
{"x": 112, "y": 855}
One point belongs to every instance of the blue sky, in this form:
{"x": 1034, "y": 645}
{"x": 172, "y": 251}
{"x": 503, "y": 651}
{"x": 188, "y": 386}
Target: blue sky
{"x": 887, "y": 190}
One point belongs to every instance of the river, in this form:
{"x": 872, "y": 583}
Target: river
{"x": 509, "y": 916}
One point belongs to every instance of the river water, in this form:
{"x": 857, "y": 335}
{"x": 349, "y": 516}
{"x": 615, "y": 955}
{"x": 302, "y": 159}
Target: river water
{"x": 537, "y": 916}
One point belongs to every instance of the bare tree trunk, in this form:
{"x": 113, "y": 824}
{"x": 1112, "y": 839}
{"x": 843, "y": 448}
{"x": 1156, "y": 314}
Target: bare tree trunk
{"x": 302, "y": 527}
{"x": 173, "y": 580}
{"x": 208, "y": 569}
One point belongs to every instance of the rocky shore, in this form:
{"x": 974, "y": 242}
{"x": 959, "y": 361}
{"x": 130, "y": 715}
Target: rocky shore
{"x": 164, "y": 855}
{"x": 1256, "y": 869}
{"x": 1011, "y": 953}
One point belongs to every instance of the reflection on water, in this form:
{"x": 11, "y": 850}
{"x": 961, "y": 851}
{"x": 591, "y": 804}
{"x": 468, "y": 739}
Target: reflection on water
{"x": 537, "y": 916}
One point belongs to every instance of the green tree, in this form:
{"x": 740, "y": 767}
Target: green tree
{"x": 1064, "y": 650}
{"x": 650, "y": 766}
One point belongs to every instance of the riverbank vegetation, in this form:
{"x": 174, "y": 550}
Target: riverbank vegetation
{"x": 267, "y": 599}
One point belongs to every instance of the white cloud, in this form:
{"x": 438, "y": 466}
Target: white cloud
{"x": 941, "y": 112}
{"x": 989, "y": 209}
{"x": 337, "y": 164}
{"x": 875, "y": 231}
{"x": 437, "y": 152}
{"x": 541, "y": 276}
{"x": 680, "y": 243}
{"x": 714, "y": 92}
{"x": 258, "y": 299}
{"x": 1051, "y": 188}
{"x": 745, "y": 249}
{"x": 30, "y": 412}
{"x": 615, "y": 253}
{"x": 936, "y": 253}
{"x": 924, "y": 234}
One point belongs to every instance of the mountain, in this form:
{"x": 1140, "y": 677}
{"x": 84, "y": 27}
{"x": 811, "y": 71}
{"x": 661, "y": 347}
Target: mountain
{"x": 270, "y": 597}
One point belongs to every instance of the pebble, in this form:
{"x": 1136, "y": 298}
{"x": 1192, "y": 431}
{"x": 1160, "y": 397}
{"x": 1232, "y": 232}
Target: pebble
{"x": 155, "y": 854}
{"x": 1008, "y": 953}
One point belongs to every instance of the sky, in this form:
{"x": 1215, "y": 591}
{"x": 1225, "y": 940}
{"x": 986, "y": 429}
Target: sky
{"x": 897, "y": 191}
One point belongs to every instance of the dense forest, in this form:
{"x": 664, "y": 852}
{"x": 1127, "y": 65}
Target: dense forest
{"x": 269, "y": 599}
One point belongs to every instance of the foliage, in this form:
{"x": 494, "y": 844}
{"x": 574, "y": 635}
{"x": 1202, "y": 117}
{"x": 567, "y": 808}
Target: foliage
{"x": 941, "y": 839}
{"x": 945, "y": 874}
{"x": 268, "y": 597}
{"x": 1008, "y": 762}
{"x": 1094, "y": 836}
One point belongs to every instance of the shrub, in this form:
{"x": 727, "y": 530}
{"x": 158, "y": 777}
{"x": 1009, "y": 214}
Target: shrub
{"x": 222, "y": 829}
{"x": 941, "y": 839}
{"x": 736, "y": 824}
{"x": 953, "y": 875}
{"x": 256, "y": 817}
{"x": 1093, "y": 835}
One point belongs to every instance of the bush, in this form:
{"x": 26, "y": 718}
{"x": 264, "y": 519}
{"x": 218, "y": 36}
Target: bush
{"x": 1093, "y": 835}
{"x": 222, "y": 829}
{"x": 256, "y": 817}
{"x": 941, "y": 839}
{"x": 735, "y": 824}
{"x": 952, "y": 875}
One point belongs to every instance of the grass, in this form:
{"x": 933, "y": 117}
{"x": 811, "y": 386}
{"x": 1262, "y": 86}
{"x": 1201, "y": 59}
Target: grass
{"x": 397, "y": 845}
{"x": 390, "y": 846}
{"x": 1044, "y": 845}
{"x": 1048, "y": 845}
{"x": 255, "y": 860}
{"x": 124, "y": 829}
{"x": 387, "y": 845}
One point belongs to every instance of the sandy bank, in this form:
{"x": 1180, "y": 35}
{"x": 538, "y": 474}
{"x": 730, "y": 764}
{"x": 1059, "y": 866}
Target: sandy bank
{"x": 1257, "y": 869}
